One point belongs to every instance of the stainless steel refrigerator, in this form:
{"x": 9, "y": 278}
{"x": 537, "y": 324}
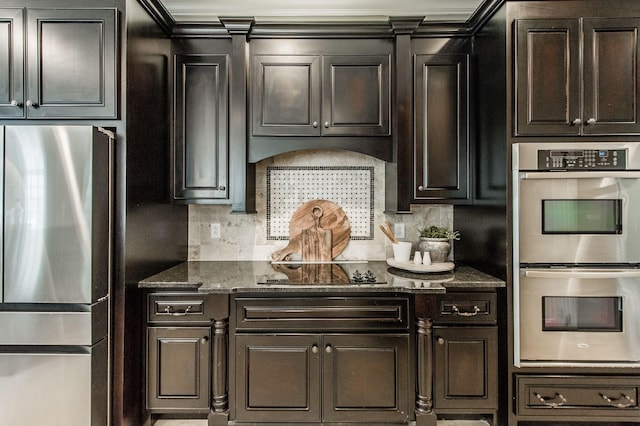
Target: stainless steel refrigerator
{"x": 56, "y": 275}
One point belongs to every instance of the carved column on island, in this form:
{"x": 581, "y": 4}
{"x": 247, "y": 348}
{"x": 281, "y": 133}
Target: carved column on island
{"x": 220, "y": 388}
{"x": 424, "y": 380}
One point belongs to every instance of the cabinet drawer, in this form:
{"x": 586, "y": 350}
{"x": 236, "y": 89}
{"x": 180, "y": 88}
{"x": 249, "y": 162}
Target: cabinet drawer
{"x": 178, "y": 307}
{"x": 322, "y": 313}
{"x": 459, "y": 308}
{"x": 574, "y": 396}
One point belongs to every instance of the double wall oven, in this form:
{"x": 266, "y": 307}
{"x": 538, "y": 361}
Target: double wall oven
{"x": 576, "y": 210}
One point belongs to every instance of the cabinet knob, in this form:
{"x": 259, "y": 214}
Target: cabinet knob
{"x": 31, "y": 104}
{"x": 591, "y": 121}
{"x": 421, "y": 188}
{"x": 440, "y": 341}
{"x": 15, "y": 103}
{"x": 204, "y": 339}
{"x": 315, "y": 124}
{"x": 328, "y": 349}
{"x": 222, "y": 187}
{"x": 576, "y": 122}
{"x": 326, "y": 124}
{"x": 314, "y": 349}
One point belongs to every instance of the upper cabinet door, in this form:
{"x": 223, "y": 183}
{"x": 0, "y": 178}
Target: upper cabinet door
{"x": 11, "y": 63}
{"x": 286, "y": 95}
{"x": 72, "y": 63}
{"x": 355, "y": 95}
{"x": 441, "y": 128}
{"x": 611, "y": 75}
{"x": 547, "y": 77}
{"x": 201, "y": 141}
{"x": 577, "y": 77}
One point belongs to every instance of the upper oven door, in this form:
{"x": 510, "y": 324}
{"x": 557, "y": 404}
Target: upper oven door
{"x": 578, "y": 217}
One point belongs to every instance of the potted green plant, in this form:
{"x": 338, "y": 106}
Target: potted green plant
{"x": 436, "y": 240}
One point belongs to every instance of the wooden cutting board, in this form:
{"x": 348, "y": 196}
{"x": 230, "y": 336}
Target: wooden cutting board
{"x": 308, "y": 231}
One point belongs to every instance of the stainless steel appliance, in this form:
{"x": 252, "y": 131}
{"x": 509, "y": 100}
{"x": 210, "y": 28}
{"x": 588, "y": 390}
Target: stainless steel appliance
{"x": 576, "y": 253}
{"x": 56, "y": 268}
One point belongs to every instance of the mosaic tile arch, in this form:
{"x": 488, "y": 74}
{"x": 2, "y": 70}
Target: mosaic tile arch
{"x": 350, "y": 187}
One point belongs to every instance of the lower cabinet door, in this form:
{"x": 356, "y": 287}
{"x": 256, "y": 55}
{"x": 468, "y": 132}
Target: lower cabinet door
{"x": 366, "y": 378}
{"x": 358, "y": 378}
{"x": 277, "y": 378}
{"x": 178, "y": 369}
{"x": 465, "y": 368}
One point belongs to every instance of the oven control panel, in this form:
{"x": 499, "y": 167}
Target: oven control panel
{"x": 582, "y": 159}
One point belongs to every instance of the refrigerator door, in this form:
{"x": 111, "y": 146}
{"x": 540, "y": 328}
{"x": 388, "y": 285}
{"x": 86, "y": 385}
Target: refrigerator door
{"x": 56, "y": 215}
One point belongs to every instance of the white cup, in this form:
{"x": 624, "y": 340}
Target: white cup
{"x": 402, "y": 251}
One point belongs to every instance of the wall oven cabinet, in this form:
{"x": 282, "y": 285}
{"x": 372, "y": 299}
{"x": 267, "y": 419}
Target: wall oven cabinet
{"x": 577, "y": 257}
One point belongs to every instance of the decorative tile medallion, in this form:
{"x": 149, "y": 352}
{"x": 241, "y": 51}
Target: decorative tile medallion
{"x": 351, "y": 188}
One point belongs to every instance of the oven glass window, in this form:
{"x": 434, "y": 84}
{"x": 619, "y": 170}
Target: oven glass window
{"x": 561, "y": 313}
{"x": 582, "y": 216}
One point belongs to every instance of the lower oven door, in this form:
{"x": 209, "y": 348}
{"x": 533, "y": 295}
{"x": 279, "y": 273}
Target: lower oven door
{"x": 578, "y": 315}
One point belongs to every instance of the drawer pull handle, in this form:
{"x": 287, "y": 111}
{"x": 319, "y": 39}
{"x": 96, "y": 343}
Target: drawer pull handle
{"x": 551, "y": 402}
{"x": 457, "y": 311}
{"x": 169, "y": 311}
{"x": 624, "y": 401}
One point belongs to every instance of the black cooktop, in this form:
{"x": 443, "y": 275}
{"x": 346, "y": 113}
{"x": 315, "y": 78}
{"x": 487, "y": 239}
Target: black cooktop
{"x": 327, "y": 273}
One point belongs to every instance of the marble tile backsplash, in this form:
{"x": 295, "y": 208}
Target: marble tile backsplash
{"x": 244, "y": 236}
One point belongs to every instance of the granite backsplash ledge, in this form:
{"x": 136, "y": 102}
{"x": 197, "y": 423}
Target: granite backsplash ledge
{"x": 353, "y": 181}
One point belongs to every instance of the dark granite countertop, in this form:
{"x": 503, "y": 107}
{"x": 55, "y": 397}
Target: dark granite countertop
{"x": 256, "y": 276}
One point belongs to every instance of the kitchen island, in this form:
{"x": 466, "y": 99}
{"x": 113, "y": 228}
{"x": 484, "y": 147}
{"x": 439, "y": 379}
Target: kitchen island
{"x": 289, "y": 343}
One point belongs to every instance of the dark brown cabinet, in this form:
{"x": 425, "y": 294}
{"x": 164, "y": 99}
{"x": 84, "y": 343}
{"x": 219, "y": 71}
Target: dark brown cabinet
{"x": 318, "y": 359}
{"x": 577, "y": 76}
{"x": 591, "y": 398}
{"x": 441, "y": 145}
{"x": 466, "y": 354}
{"x": 320, "y": 95}
{"x": 178, "y": 368}
{"x": 322, "y": 378}
{"x": 67, "y": 69}
{"x": 466, "y": 368}
{"x": 201, "y": 142}
{"x": 186, "y": 353}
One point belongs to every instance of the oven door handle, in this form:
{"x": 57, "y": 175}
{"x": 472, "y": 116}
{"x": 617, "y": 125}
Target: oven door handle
{"x": 580, "y": 175}
{"x": 586, "y": 273}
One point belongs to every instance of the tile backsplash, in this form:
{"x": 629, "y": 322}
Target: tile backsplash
{"x": 350, "y": 187}
{"x": 288, "y": 180}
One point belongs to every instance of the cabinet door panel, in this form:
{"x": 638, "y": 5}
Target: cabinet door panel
{"x": 441, "y": 139}
{"x": 72, "y": 63}
{"x": 201, "y": 127}
{"x": 286, "y": 95}
{"x": 355, "y": 95}
{"x": 277, "y": 378}
{"x": 11, "y": 63}
{"x": 547, "y": 81}
{"x": 178, "y": 368}
{"x": 365, "y": 378}
{"x": 611, "y": 55}
{"x": 465, "y": 363}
